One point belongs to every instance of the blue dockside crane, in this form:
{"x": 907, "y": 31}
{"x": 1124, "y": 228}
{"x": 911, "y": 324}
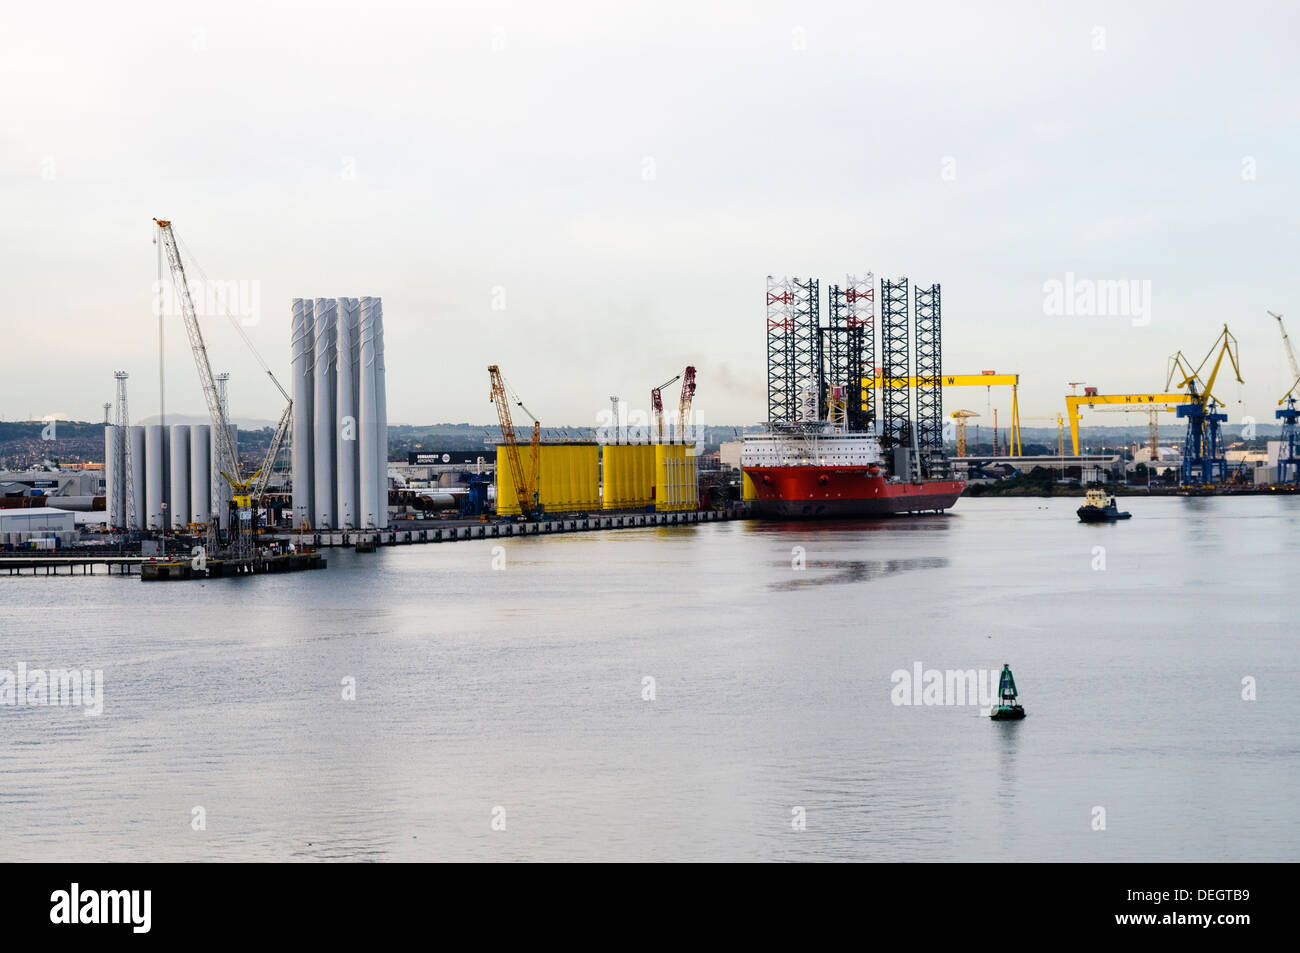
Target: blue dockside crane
{"x": 1203, "y": 460}
{"x": 1288, "y": 467}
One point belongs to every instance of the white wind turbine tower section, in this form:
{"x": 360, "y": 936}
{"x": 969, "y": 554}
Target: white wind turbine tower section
{"x": 368, "y": 433}
{"x": 381, "y": 416}
{"x": 200, "y": 473}
{"x": 347, "y": 351}
{"x": 114, "y": 473}
{"x": 136, "y": 514}
{"x": 302, "y": 349}
{"x": 340, "y": 427}
{"x": 178, "y": 501}
{"x": 324, "y": 417}
{"x": 155, "y": 495}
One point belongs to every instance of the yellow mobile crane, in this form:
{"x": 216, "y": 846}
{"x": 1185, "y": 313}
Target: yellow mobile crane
{"x": 527, "y": 485}
{"x": 248, "y": 491}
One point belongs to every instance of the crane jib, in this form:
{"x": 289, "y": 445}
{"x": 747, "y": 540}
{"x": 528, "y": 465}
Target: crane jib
{"x": 228, "y": 463}
{"x": 523, "y": 490}
{"x": 215, "y": 411}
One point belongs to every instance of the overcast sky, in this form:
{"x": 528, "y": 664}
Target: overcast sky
{"x": 591, "y": 194}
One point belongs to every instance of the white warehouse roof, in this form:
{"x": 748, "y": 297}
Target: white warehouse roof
{"x": 35, "y": 519}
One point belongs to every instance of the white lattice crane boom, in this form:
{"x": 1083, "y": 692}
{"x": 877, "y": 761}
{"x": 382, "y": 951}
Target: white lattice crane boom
{"x": 247, "y": 491}
{"x": 1290, "y": 356}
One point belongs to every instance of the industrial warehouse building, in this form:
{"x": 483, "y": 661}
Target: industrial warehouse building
{"x": 80, "y": 483}
{"x": 37, "y": 522}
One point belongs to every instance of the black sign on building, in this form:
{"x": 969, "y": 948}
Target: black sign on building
{"x": 449, "y": 458}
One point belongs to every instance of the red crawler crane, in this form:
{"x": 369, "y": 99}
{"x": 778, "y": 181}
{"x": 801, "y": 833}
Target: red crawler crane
{"x": 684, "y": 405}
{"x": 657, "y": 404}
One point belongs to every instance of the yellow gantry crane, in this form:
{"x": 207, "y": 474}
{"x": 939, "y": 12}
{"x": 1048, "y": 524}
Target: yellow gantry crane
{"x": 527, "y": 485}
{"x": 1091, "y": 399}
{"x": 1180, "y": 368}
{"x": 983, "y": 379}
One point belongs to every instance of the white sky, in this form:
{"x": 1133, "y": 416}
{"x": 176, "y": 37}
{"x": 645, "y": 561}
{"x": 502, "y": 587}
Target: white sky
{"x": 432, "y": 153}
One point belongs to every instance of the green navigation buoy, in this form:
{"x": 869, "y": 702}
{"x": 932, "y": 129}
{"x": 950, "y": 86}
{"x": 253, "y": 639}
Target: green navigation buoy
{"x": 1007, "y": 708}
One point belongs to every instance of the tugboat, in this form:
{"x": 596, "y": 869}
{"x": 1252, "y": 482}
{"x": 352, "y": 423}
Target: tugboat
{"x": 1007, "y": 709}
{"x": 1100, "y": 507}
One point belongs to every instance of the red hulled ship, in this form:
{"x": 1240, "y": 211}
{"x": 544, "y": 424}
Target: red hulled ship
{"x": 805, "y": 474}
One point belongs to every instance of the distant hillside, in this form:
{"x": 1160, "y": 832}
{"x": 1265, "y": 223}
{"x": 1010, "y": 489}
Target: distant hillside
{"x": 25, "y": 444}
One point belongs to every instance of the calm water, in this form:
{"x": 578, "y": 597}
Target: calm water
{"x": 521, "y": 689}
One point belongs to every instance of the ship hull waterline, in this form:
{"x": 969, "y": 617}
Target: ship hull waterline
{"x": 840, "y": 492}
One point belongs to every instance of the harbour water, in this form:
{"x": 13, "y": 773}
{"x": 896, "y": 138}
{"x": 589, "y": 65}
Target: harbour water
{"x": 508, "y": 683}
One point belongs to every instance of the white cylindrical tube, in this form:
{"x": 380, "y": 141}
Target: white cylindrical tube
{"x": 155, "y": 466}
{"x": 178, "y": 503}
{"x": 136, "y": 461}
{"x": 345, "y": 444}
{"x": 114, "y": 477}
{"x": 324, "y": 418}
{"x": 381, "y": 416}
{"x": 367, "y": 433}
{"x": 301, "y": 349}
{"x": 355, "y": 318}
{"x": 200, "y": 473}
